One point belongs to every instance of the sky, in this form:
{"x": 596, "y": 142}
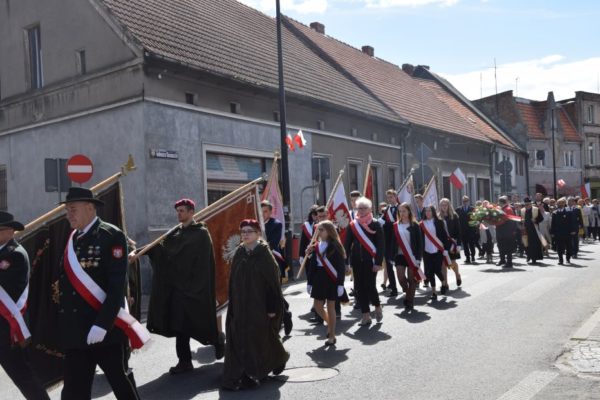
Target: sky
{"x": 537, "y": 46}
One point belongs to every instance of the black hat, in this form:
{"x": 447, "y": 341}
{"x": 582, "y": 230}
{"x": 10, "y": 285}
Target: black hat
{"x": 81, "y": 194}
{"x": 7, "y": 220}
{"x": 526, "y": 200}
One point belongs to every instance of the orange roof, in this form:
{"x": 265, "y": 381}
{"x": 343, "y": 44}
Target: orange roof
{"x": 421, "y": 104}
{"x": 532, "y": 115}
{"x": 569, "y": 131}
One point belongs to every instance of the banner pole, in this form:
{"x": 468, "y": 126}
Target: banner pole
{"x": 314, "y": 238}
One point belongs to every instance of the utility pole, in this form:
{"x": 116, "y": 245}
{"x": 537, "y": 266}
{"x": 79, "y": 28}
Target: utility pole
{"x": 553, "y": 125}
{"x": 285, "y": 172}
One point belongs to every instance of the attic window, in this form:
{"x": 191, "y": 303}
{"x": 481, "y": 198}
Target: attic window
{"x": 190, "y": 98}
{"x": 235, "y": 108}
{"x": 354, "y": 132}
{"x": 321, "y": 125}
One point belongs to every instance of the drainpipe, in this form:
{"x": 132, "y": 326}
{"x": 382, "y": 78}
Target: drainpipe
{"x": 404, "y": 142}
{"x": 526, "y": 173}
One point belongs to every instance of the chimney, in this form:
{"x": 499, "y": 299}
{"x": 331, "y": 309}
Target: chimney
{"x": 368, "y": 50}
{"x": 318, "y": 27}
{"x": 408, "y": 68}
{"x": 424, "y": 67}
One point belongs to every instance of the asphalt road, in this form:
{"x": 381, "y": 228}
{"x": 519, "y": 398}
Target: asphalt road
{"x": 496, "y": 338}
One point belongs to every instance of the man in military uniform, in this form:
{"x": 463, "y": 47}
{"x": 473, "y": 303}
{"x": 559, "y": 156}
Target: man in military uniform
{"x": 468, "y": 233}
{"x": 505, "y": 234}
{"x": 389, "y": 218}
{"x": 14, "y": 278}
{"x": 183, "y": 295}
{"x": 274, "y": 233}
{"x": 564, "y": 226}
{"x": 89, "y": 332}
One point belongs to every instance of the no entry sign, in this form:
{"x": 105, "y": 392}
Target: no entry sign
{"x": 80, "y": 168}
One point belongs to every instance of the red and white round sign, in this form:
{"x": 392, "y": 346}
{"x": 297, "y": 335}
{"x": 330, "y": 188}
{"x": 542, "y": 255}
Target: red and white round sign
{"x": 80, "y": 168}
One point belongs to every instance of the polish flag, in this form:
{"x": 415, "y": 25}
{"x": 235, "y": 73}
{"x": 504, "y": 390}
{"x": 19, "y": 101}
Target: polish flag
{"x": 299, "y": 139}
{"x": 290, "y": 142}
{"x": 406, "y": 194}
{"x": 368, "y": 189}
{"x": 586, "y": 190}
{"x": 458, "y": 179}
{"x": 561, "y": 183}
{"x": 339, "y": 212}
{"x": 272, "y": 193}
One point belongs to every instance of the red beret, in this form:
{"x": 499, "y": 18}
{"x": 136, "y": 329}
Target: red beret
{"x": 186, "y": 202}
{"x": 250, "y": 222}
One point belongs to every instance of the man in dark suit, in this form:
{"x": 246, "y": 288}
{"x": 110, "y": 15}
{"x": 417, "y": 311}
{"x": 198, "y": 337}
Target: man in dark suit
{"x": 564, "y": 226}
{"x": 468, "y": 234}
{"x": 14, "y": 278}
{"x": 274, "y": 233}
{"x": 89, "y": 335}
{"x": 389, "y": 218}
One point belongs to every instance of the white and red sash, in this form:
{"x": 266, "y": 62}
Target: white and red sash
{"x": 389, "y": 215}
{"x": 413, "y": 263}
{"x": 331, "y": 271}
{"x": 436, "y": 242}
{"x": 13, "y": 314}
{"x": 363, "y": 238}
{"x": 307, "y": 228}
{"x": 278, "y": 256}
{"x": 93, "y": 294}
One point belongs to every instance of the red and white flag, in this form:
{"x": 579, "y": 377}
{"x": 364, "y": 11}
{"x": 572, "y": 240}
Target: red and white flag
{"x": 299, "y": 139}
{"x": 561, "y": 183}
{"x": 290, "y": 142}
{"x": 586, "y": 190}
{"x": 368, "y": 187}
{"x": 272, "y": 193}
{"x": 339, "y": 212}
{"x": 430, "y": 195}
{"x": 458, "y": 179}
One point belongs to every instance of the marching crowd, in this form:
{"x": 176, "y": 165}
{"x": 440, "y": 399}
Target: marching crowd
{"x": 412, "y": 244}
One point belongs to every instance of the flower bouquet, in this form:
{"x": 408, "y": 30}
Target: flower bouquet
{"x": 491, "y": 215}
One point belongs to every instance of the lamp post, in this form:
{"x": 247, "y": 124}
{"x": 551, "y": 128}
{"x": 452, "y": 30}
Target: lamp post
{"x": 285, "y": 174}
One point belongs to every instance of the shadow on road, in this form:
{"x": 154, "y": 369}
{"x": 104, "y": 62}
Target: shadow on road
{"x": 328, "y": 357}
{"x": 443, "y": 304}
{"x": 502, "y": 270}
{"x": 369, "y": 335}
{"x": 414, "y": 317}
{"x": 458, "y": 294}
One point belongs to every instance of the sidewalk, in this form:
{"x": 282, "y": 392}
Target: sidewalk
{"x": 582, "y": 351}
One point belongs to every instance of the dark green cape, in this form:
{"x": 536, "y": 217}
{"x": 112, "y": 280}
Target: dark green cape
{"x": 183, "y": 286}
{"x": 254, "y": 347}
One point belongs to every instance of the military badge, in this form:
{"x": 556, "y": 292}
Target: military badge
{"x": 117, "y": 252}
{"x": 4, "y": 265}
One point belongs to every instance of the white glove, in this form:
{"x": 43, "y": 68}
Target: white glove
{"x": 301, "y": 260}
{"x": 309, "y": 288}
{"x": 96, "y": 335}
{"x": 340, "y": 291}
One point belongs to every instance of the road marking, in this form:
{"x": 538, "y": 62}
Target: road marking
{"x": 534, "y": 290}
{"x": 487, "y": 285}
{"x": 588, "y": 326}
{"x": 530, "y": 386}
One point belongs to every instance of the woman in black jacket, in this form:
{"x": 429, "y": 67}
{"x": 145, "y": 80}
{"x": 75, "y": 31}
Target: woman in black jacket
{"x": 365, "y": 247}
{"x": 325, "y": 271}
{"x": 435, "y": 247}
{"x": 450, "y": 217}
{"x": 408, "y": 250}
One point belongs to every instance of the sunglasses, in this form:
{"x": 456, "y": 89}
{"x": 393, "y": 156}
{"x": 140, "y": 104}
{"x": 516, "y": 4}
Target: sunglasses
{"x": 247, "y": 231}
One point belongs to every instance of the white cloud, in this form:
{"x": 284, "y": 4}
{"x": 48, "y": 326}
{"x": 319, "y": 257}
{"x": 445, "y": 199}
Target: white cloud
{"x": 535, "y": 78}
{"x": 287, "y": 6}
{"x": 407, "y": 3}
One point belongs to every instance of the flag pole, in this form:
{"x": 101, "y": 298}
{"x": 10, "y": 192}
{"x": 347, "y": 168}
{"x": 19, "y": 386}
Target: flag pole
{"x": 125, "y": 168}
{"x": 314, "y": 237}
{"x": 366, "y": 182}
{"x": 199, "y": 215}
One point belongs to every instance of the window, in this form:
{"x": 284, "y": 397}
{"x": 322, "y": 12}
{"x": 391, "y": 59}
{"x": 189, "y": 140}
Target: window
{"x": 520, "y": 165}
{"x": 55, "y": 175}
{"x": 393, "y": 177}
{"x": 446, "y": 187}
{"x": 539, "y": 158}
{"x": 190, "y": 98}
{"x": 3, "y": 189}
{"x": 590, "y": 114}
{"x": 471, "y": 189}
{"x": 276, "y": 116}
{"x": 235, "y": 108}
{"x": 80, "y": 58}
{"x": 354, "y": 132}
{"x": 225, "y": 173}
{"x": 353, "y": 177}
{"x": 569, "y": 158}
{"x": 483, "y": 188}
{"x": 34, "y": 47}
{"x": 321, "y": 125}
{"x": 592, "y": 154}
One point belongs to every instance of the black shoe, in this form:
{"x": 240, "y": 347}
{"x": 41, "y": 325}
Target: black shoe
{"x": 220, "y": 346}
{"x": 568, "y": 260}
{"x": 560, "y": 262}
{"x": 278, "y": 371}
{"x": 434, "y": 296}
{"x": 287, "y": 323}
{"x": 249, "y": 383}
{"x": 467, "y": 260}
{"x": 330, "y": 343}
{"x": 444, "y": 289}
{"x": 383, "y": 286}
{"x": 356, "y": 307}
{"x": 459, "y": 282}
{"x": 507, "y": 265}
{"x": 181, "y": 368}
{"x": 393, "y": 293}
{"x": 501, "y": 262}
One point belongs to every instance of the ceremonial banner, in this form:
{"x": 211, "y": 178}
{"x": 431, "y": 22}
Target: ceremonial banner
{"x": 430, "y": 195}
{"x": 406, "y": 194}
{"x": 339, "y": 212}
{"x": 368, "y": 187}
{"x": 45, "y": 245}
{"x": 272, "y": 193}
{"x": 224, "y": 227}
